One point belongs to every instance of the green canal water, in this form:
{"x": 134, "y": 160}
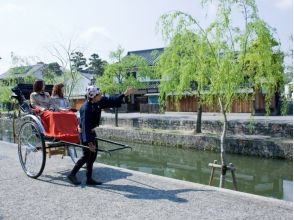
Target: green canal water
{"x": 265, "y": 177}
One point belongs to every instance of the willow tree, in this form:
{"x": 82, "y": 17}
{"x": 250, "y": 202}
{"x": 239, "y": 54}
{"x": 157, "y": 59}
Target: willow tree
{"x": 121, "y": 73}
{"x": 223, "y": 59}
{"x": 182, "y": 70}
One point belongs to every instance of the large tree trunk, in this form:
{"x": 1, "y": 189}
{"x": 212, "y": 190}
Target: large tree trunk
{"x": 222, "y": 145}
{"x": 198, "y": 122}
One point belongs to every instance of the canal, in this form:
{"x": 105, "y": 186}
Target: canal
{"x": 260, "y": 176}
{"x": 265, "y": 177}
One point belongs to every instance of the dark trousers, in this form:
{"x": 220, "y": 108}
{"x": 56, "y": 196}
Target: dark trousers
{"x": 89, "y": 158}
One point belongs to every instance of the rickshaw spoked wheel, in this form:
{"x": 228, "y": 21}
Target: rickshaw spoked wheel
{"x": 31, "y": 149}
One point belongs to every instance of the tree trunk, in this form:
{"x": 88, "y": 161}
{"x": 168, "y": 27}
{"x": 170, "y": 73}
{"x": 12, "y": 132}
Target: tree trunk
{"x": 198, "y": 122}
{"x": 222, "y": 145}
{"x": 116, "y": 117}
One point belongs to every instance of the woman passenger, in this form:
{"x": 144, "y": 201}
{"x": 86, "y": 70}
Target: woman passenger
{"x": 58, "y": 100}
{"x": 39, "y": 98}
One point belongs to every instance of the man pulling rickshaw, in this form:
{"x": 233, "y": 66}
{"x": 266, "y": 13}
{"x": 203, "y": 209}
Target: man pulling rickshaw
{"x": 90, "y": 114}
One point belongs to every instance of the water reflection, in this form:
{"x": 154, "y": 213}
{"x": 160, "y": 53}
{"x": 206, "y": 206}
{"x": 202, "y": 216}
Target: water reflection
{"x": 266, "y": 177}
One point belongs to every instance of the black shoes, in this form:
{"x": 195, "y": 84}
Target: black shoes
{"x": 92, "y": 182}
{"x": 76, "y": 182}
{"x": 73, "y": 179}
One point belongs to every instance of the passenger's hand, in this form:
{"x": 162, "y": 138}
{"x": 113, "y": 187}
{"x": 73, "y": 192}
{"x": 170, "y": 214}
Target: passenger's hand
{"x": 73, "y": 110}
{"x": 92, "y": 147}
{"x": 129, "y": 91}
{"x": 51, "y": 109}
{"x": 37, "y": 111}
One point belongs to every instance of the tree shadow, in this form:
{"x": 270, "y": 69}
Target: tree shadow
{"x": 137, "y": 189}
{"x": 134, "y": 190}
{"x": 137, "y": 192}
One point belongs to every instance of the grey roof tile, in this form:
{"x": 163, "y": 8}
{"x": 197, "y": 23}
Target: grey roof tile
{"x": 150, "y": 55}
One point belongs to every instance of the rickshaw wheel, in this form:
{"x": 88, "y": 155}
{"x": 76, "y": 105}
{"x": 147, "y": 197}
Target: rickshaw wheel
{"x": 31, "y": 149}
{"x": 75, "y": 153}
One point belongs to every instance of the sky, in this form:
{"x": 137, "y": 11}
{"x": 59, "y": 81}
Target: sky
{"x": 33, "y": 28}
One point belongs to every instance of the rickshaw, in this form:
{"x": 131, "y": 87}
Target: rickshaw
{"x": 36, "y": 140}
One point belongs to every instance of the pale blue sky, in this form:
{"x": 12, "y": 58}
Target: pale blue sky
{"x": 29, "y": 28}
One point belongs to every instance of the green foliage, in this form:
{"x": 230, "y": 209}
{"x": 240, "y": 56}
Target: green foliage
{"x": 96, "y": 65}
{"x": 19, "y": 70}
{"x": 28, "y": 79}
{"x": 7, "y": 84}
{"x": 52, "y": 73}
{"x": 13, "y": 81}
{"x": 78, "y": 61}
{"x": 181, "y": 66}
{"x": 54, "y": 68}
{"x": 119, "y": 75}
{"x": 222, "y": 57}
{"x": 5, "y": 92}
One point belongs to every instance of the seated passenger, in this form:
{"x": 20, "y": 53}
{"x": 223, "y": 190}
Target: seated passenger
{"x": 39, "y": 98}
{"x": 59, "y": 102}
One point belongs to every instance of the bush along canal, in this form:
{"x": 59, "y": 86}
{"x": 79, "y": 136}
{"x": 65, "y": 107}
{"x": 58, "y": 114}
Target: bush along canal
{"x": 256, "y": 175}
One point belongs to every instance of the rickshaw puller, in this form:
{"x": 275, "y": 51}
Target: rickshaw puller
{"x": 90, "y": 114}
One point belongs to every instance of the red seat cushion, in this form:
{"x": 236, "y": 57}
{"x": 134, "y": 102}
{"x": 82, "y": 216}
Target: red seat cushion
{"x": 62, "y": 126}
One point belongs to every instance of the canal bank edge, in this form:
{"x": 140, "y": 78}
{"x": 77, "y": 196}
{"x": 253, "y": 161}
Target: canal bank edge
{"x": 243, "y": 126}
{"x": 253, "y": 145}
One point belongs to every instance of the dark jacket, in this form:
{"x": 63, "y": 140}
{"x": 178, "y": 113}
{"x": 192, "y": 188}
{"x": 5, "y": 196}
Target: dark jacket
{"x": 90, "y": 115}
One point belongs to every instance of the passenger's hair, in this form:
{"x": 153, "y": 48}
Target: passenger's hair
{"x": 57, "y": 90}
{"x": 38, "y": 85}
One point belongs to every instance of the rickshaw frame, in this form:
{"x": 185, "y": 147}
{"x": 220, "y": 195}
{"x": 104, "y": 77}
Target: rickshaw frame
{"x": 33, "y": 145}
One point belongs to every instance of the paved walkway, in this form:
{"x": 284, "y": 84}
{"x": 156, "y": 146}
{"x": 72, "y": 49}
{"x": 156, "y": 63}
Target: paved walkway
{"x": 205, "y": 116}
{"x": 125, "y": 194}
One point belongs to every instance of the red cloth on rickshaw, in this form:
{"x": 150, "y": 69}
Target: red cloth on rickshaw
{"x": 62, "y": 126}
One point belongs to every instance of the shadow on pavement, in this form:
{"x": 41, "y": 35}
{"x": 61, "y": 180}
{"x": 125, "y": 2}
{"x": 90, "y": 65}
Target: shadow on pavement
{"x": 134, "y": 190}
{"x": 146, "y": 193}
{"x": 103, "y": 174}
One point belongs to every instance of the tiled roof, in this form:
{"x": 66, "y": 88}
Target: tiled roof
{"x": 150, "y": 55}
{"x": 34, "y": 70}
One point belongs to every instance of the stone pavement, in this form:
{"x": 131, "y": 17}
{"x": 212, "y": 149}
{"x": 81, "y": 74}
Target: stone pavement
{"x": 125, "y": 194}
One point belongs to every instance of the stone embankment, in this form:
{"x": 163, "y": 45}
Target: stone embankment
{"x": 258, "y": 136}
{"x": 263, "y": 136}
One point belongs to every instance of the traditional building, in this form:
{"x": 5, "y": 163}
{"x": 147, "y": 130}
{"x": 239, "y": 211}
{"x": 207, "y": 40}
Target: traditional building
{"x": 146, "y": 99}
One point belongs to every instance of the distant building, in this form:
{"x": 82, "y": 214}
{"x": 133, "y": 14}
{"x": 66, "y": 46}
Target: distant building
{"x": 146, "y": 99}
{"x": 35, "y": 71}
{"x": 77, "y": 96}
